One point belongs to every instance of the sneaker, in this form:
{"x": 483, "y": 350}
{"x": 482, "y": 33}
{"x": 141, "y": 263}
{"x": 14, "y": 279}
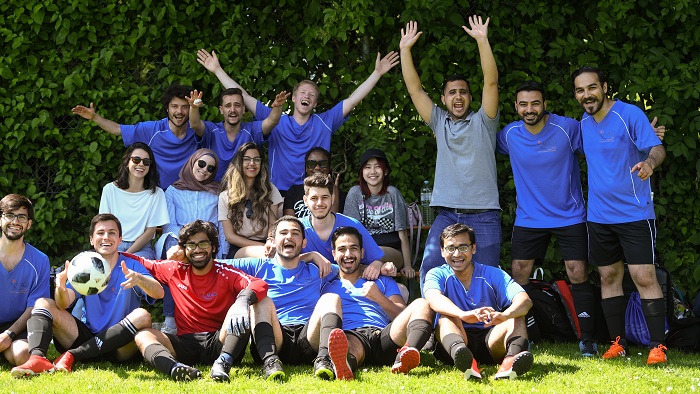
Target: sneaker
{"x": 273, "y": 369}
{"x": 588, "y": 348}
{"x": 165, "y": 329}
{"x": 323, "y": 368}
{"x": 514, "y": 366}
{"x": 338, "y": 350}
{"x": 64, "y": 362}
{"x": 616, "y": 350}
{"x": 657, "y": 355}
{"x": 463, "y": 359}
{"x": 473, "y": 372}
{"x": 407, "y": 359}
{"x": 182, "y": 372}
{"x": 35, "y": 365}
{"x": 220, "y": 370}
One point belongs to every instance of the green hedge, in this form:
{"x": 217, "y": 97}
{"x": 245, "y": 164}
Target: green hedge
{"x": 121, "y": 55}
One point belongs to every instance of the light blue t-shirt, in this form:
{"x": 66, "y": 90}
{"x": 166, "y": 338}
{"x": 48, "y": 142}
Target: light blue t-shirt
{"x": 24, "y": 284}
{"x": 359, "y": 311}
{"x": 216, "y": 139}
{"x": 315, "y": 244}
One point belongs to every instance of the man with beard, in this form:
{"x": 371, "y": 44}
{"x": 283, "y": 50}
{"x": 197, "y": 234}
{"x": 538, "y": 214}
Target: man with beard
{"x": 298, "y": 133}
{"x": 212, "y": 314}
{"x": 24, "y": 277}
{"x": 171, "y": 138}
{"x": 481, "y": 310}
{"x": 622, "y": 152}
{"x": 466, "y": 144}
{"x": 112, "y": 317}
{"x": 381, "y": 329}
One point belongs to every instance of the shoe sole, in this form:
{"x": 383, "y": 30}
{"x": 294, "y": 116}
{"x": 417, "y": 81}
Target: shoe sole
{"x": 27, "y": 373}
{"x": 463, "y": 359}
{"x": 183, "y": 373}
{"x": 277, "y": 375}
{"x": 324, "y": 373}
{"x": 338, "y": 351}
{"x": 409, "y": 359}
{"x": 521, "y": 364}
{"x": 219, "y": 378}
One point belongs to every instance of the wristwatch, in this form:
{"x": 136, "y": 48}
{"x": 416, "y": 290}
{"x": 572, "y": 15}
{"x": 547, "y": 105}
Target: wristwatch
{"x": 11, "y": 334}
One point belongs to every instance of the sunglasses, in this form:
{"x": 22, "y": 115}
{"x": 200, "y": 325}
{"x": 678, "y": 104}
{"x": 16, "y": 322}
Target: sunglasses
{"x": 249, "y": 208}
{"x": 138, "y": 160}
{"x": 202, "y": 164}
{"x": 314, "y": 163}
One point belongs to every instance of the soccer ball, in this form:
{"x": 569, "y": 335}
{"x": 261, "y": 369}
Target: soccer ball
{"x": 89, "y": 273}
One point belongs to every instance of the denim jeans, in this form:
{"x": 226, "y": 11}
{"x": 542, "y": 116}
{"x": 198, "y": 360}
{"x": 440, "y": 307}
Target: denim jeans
{"x": 487, "y": 229}
{"x": 146, "y": 252}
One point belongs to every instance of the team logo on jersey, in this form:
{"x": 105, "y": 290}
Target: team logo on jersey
{"x": 209, "y": 296}
{"x": 181, "y": 286}
{"x": 607, "y": 136}
{"x": 546, "y": 146}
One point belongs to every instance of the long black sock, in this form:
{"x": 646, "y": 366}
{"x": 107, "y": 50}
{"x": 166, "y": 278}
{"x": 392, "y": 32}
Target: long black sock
{"x": 584, "y": 302}
{"x": 516, "y": 344}
{"x": 329, "y": 321}
{"x": 418, "y": 332}
{"x": 614, "y": 311}
{"x": 234, "y": 345}
{"x": 452, "y": 343}
{"x": 265, "y": 340}
{"x": 158, "y": 356}
{"x": 113, "y": 338}
{"x": 40, "y": 328}
{"x": 655, "y": 313}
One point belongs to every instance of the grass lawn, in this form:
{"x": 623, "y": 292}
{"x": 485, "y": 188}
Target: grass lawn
{"x": 558, "y": 369}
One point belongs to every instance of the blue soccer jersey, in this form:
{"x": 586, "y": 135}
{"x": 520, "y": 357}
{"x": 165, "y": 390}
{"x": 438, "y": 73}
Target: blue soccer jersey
{"x": 315, "y": 244}
{"x": 622, "y": 139}
{"x": 490, "y": 286}
{"x": 360, "y": 311}
{"x": 546, "y": 172}
{"x": 216, "y": 139}
{"x": 24, "y": 284}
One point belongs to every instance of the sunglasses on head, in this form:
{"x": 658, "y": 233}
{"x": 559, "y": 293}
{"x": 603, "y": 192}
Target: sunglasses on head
{"x": 249, "y": 208}
{"x": 138, "y": 160}
{"x": 202, "y": 164}
{"x": 314, "y": 163}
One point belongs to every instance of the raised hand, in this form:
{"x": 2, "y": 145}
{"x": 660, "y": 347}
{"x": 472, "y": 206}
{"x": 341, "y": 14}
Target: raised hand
{"x": 659, "y": 131}
{"x": 280, "y": 99}
{"x": 410, "y": 35}
{"x": 132, "y": 278}
{"x": 371, "y": 291}
{"x": 195, "y": 99}
{"x": 478, "y": 29}
{"x": 176, "y": 253}
{"x": 85, "y": 112}
{"x": 62, "y": 277}
{"x": 209, "y": 60}
{"x": 383, "y": 65}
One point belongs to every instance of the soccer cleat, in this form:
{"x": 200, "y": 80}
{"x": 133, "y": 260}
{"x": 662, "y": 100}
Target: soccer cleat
{"x": 64, "y": 362}
{"x": 273, "y": 369}
{"x": 473, "y": 372}
{"x": 338, "y": 350}
{"x": 514, "y": 366}
{"x": 407, "y": 359}
{"x": 220, "y": 370}
{"x": 463, "y": 358}
{"x": 182, "y": 373}
{"x": 657, "y": 355}
{"x": 588, "y": 348}
{"x": 35, "y": 365}
{"x": 323, "y": 368}
{"x": 616, "y": 350}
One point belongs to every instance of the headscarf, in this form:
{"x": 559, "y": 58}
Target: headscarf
{"x": 187, "y": 181}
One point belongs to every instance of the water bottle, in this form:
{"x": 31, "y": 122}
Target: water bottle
{"x": 426, "y": 210}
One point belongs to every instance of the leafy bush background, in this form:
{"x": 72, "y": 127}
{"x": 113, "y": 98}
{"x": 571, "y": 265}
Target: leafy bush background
{"x": 121, "y": 55}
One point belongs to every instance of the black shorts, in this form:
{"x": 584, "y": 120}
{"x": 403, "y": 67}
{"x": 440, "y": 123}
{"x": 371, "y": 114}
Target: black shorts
{"x": 379, "y": 348}
{"x": 632, "y": 242}
{"x": 531, "y": 243}
{"x": 6, "y": 326}
{"x": 199, "y": 348}
{"x": 84, "y": 335}
{"x": 478, "y": 344}
{"x": 295, "y": 350}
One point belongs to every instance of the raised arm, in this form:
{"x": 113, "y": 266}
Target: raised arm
{"x": 479, "y": 31}
{"x": 381, "y": 67}
{"x": 89, "y": 113}
{"x": 211, "y": 62}
{"x": 63, "y": 295}
{"x": 148, "y": 284}
{"x": 195, "y": 100}
{"x": 273, "y": 119}
{"x": 421, "y": 100}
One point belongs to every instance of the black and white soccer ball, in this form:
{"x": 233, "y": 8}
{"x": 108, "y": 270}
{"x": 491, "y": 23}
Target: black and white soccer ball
{"x": 89, "y": 273}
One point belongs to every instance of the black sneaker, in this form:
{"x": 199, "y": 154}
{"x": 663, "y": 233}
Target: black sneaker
{"x": 463, "y": 359}
{"x": 220, "y": 370}
{"x": 182, "y": 372}
{"x": 273, "y": 369}
{"x": 588, "y": 348}
{"x": 323, "y": 369}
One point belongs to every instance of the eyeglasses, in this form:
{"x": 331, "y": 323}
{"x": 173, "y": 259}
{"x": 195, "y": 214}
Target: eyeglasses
{"x": 202, "y": 245}
{"x": 256, "y": 160}
{"x": 461, "y": 248}
{"x": 202, "y": 164}
{"x": 314, "y": 163}
{"x": 21, "y": 218}
{"x": 249, "y": 208}
{"x": 138, "y": 160}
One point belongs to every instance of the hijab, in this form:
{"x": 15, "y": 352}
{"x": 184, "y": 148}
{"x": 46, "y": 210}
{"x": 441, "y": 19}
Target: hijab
{"x": 187, "y": 181}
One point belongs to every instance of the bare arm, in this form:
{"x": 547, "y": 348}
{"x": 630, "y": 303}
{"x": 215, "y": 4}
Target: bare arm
{"x": 89, "y": 113}
{"x": 64, "y": 296}
{"x": 479, "y": 31}
{"x": 646, "y": 168}
{"x": 423, "y": 103}
{"x": 406, "y": 270}
{"x": 444, "y": 306}
{"x": 148, "y": 284}
{"x": 519, "y": 307}
{"x": 392, "y": 306}
{"x": 273, "y": 119}
{"x": 195, "y": 100}
{"x": 381, "y": 67}
{"x": 18, "y": 327}
{"x": 234, "y": 239}
{"x": 142, "y": 240}
{"x": 211, "y": 62}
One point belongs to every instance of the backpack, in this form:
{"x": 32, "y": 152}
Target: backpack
{"x": 415, "y": 222}
{"x": 551, "y": 321}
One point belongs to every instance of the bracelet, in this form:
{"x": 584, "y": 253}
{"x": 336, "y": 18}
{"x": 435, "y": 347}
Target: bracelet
{"x": 10, "y": 334}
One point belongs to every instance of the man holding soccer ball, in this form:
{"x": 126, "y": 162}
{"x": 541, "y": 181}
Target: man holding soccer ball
{"x": 112, "y": 317}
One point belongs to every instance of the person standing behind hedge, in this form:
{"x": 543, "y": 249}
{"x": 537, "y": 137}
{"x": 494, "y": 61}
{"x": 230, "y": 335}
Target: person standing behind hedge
{"x": 136, "y": 200}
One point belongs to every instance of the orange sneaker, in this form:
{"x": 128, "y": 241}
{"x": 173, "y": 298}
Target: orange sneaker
{"x": 64, "y": 362}
{"x": 35, "y": 365}
{"x": 473, "y": 372}
{"x": 407, "y": 359}
{"x": 514, "y": 366}
{"x": 616, "y": 350}
{"x": 657, "y": 355}
{"x": 338, "y": 350}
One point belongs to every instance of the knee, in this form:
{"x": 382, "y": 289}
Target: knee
{"x": 644, "y": 278}
{"x": 140, "y": 318}
{"x": 330, "y": 303}
{"x": 45, "y": 303}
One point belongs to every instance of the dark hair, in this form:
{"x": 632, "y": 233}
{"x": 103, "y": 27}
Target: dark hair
{"x": 287, "y": 218}
{"x": 346, "y": 230}
{"x": 172, "y": 91}
{"x": 454, "y": 230}
{"x": 318, "y": 180}
{"x": 456, "y": 77}
{"x": 530, "y": 86}
{"x": 317, "y": 149}
{"x": 151, "y": 181}
{"x": 104, "y": 217}
{"x": 588, "y": 69}
{"x": 229, "y": 92}
{"x": 199, "y": 226}
{"x": 13, "y": 202}
{"x": 383, "y": 164}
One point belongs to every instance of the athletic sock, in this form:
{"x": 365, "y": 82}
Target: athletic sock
{"x": 265, "y": 340}
{"x": 234, "y": 345}
{"x": 39, "y": 331}
{"x": 452, "y": 343}
{"x": 614, "y": 309}
{"x": 329, "y": 321}
{"x": 159, "y": 356}
{"x": 418, "y": 332}
{"x": 352, "y": 362}
{"x": 655, "y": 314}
{"x": 584, "y": 302}
{"x": 113, "y": 338}
{"x": 516, "y": 344}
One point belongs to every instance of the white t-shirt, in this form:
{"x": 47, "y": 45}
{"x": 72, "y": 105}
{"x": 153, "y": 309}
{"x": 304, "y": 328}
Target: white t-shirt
{"x": 136, "y": 211}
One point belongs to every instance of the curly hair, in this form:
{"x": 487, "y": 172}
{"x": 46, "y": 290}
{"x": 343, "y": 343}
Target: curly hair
{"x": 151, "y": 181}
{"x": 172, "y": 91}
{"x": 199, "y": 226}
{"x": 235, "y": 188}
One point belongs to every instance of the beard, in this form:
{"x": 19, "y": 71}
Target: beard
{"x": 201, "y": 263}
{"x": 12, "y": 236}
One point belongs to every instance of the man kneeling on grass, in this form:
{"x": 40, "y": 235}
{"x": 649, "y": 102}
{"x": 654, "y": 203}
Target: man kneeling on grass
{"x": 110, "y": 320}
{"x": 375, "y": 317}
{"x": 481, "y": 310}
